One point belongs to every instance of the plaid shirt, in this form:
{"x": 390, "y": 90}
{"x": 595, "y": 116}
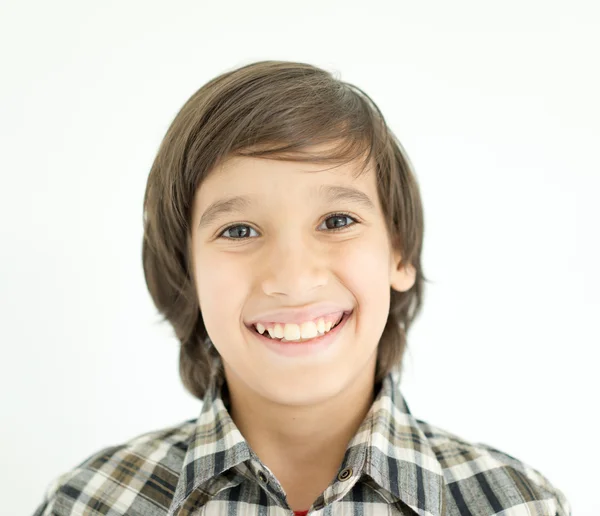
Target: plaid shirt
{"x": 394, "y": 465}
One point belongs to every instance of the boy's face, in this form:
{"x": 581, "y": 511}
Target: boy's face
{"x": 279, "y": 252}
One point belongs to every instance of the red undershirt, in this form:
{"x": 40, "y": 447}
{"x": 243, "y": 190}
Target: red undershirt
{"x": 301, "y": 513}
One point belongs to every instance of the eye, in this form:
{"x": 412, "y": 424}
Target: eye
{"x": 337, "y": 217}
{"x": 242, "y": 231}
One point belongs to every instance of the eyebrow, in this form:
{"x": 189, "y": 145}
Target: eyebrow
{"x": 330, "y": 193}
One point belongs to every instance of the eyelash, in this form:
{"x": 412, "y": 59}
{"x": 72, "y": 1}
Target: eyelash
{"x": 333, "y": 215}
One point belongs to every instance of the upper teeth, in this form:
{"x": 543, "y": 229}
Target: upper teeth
{"x": 306, "y": 330}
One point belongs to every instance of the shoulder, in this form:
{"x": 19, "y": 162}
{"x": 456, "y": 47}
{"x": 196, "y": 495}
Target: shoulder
{"x": 138, "y": 475}
{"x": 503, "y": 480}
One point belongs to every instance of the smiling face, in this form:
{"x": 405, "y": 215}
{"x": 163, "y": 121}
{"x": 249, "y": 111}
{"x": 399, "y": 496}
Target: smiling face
{"x": 302, "y": 237}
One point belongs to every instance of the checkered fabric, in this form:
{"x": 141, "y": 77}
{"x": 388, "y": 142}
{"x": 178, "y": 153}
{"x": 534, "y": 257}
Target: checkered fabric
{"x": 394, "y": 465}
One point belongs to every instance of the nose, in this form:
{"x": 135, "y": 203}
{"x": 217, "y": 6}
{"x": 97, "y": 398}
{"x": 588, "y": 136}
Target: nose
{"x": 294, "y": 268}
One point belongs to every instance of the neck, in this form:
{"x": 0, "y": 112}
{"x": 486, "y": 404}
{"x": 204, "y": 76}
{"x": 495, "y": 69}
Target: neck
{"x": 306, "y": 439}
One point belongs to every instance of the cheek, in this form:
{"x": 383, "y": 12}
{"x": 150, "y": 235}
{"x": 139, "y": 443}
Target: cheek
{"x": 220, "y": 288}
{"x": 364, "y": 271}
{"x": 216, "y": 276}
{"x": 365, "y": 263}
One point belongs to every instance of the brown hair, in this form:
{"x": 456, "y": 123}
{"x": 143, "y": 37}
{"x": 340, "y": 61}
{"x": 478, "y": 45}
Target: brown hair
{"x": 274, "y": 110}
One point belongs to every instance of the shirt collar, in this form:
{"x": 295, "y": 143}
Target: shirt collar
{"x": 389, "y": 446}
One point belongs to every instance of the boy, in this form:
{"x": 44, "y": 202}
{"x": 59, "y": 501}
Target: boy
{"x": 283, "y": 235}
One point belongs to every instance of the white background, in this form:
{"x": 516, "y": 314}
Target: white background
{"x": 497, "y": 106}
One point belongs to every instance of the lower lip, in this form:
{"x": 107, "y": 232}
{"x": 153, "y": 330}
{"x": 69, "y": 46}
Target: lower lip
{"x": 308, "y": 347}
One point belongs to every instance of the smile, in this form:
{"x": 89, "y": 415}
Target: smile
{"x": 302, "y": 346}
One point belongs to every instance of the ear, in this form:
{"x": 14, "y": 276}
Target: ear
{"x": 402, "y": 275}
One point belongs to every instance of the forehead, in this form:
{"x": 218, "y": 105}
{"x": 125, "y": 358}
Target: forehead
{"x": 243, "y": 174}
{"x": 243, "y": 183}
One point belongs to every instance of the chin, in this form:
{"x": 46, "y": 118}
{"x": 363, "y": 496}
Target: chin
{"x": 301, "y": 389}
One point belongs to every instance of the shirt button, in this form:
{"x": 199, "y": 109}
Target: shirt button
{"x": 262, "y": 476}
{"x": 345, "y": 474}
